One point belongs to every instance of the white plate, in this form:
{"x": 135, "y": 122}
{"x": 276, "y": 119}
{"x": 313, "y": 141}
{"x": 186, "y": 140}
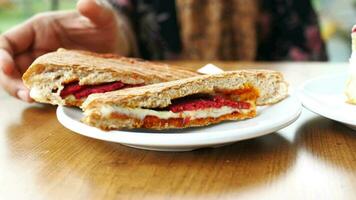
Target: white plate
{"x": 268, "y": 120}
{"x": 325, "y": 96}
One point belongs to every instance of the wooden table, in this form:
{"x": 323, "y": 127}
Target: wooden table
{"x": 314, "y": 158}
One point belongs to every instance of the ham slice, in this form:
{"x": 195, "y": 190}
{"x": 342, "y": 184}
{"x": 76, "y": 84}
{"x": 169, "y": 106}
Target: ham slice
{"x": 83, "y": 91}
{"x": 213, "y": 102}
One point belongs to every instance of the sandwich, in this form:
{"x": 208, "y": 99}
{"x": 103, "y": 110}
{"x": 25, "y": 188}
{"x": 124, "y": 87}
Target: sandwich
{"x": 350, "y": 90}
{"x": 68, "y": 77}
{"x": 190, "y": 102}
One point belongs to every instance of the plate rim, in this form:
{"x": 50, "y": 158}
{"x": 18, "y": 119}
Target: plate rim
{"x": 180, "y": 139}
{"x": 309, "y": 101}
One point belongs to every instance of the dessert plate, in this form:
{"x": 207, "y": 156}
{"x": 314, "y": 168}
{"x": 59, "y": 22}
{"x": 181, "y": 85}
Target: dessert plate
{"x": 325, "y": 96}
{"x": 268, "y": 120}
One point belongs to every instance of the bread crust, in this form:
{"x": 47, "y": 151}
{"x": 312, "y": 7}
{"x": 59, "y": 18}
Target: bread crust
{"x": 139, "y": 70}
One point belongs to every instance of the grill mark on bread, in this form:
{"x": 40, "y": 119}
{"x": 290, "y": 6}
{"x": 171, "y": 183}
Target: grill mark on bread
{"x": 80, "y": 60}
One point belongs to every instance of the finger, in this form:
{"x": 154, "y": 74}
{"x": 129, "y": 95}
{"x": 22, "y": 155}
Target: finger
{"x": 23, "y": 61}
{"x": 12, "y": 42}
{"x": 7, "y": 64}
{"x": 15, "y": 88}
{"x": 19, "y": 39}
{"x": 24, "y": 95}
{"x": 99, "y": 12}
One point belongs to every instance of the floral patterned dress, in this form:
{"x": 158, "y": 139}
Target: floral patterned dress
{"x": 265, "y": 30}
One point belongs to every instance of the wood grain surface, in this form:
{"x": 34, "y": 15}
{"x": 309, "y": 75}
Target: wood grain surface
{"x": 314, "y": 158}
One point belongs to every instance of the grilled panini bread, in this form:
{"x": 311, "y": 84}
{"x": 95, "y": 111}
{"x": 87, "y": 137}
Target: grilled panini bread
{"x": 196, "y": 101}
{"x": 67, "y": 77}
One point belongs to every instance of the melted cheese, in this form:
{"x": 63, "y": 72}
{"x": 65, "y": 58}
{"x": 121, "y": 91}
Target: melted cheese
{"x": 141, "y": 113}
{"x": 35, "y": 93}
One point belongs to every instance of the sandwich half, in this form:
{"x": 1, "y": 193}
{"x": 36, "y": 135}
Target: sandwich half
{"x": 67, "y": 77}
{"x": 191, "y": 102}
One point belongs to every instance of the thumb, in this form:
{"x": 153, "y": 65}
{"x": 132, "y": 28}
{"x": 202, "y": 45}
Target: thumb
{"x": 99, "y": 12}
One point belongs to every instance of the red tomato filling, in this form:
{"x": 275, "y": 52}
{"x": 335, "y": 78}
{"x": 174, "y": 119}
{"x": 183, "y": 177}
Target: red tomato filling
{"x": 203, "y": 103}
{"x": 82, "y": 91}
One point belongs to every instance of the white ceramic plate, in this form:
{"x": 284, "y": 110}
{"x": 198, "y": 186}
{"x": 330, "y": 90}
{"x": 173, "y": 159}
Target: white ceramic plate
{"x": 269, "y": 119}
{"x": 325, "y": 96}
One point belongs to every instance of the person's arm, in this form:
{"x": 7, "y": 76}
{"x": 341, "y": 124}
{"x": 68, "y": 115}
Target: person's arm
{"x": 95, "y": 26}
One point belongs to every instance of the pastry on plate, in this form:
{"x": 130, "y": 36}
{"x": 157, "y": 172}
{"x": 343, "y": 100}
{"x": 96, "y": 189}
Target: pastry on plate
{"x": 351, "y": 82}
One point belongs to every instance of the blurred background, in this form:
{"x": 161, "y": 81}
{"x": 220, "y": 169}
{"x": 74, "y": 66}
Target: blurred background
{"x": 336, "y": 20}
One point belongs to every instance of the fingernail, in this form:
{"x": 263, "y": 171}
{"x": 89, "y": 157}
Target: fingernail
{"x": 102, "y": 3}
{"x": 98, "y": 2}
{"x": 23, "y": 95}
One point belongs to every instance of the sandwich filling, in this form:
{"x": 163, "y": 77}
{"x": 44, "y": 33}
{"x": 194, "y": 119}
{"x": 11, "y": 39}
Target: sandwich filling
{"x": 214, "y": 106}
{"x": 83, "y": 91}
{"x": 190, "y": 109}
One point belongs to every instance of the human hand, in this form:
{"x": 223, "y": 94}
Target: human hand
{"x": 94, "y": 26}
